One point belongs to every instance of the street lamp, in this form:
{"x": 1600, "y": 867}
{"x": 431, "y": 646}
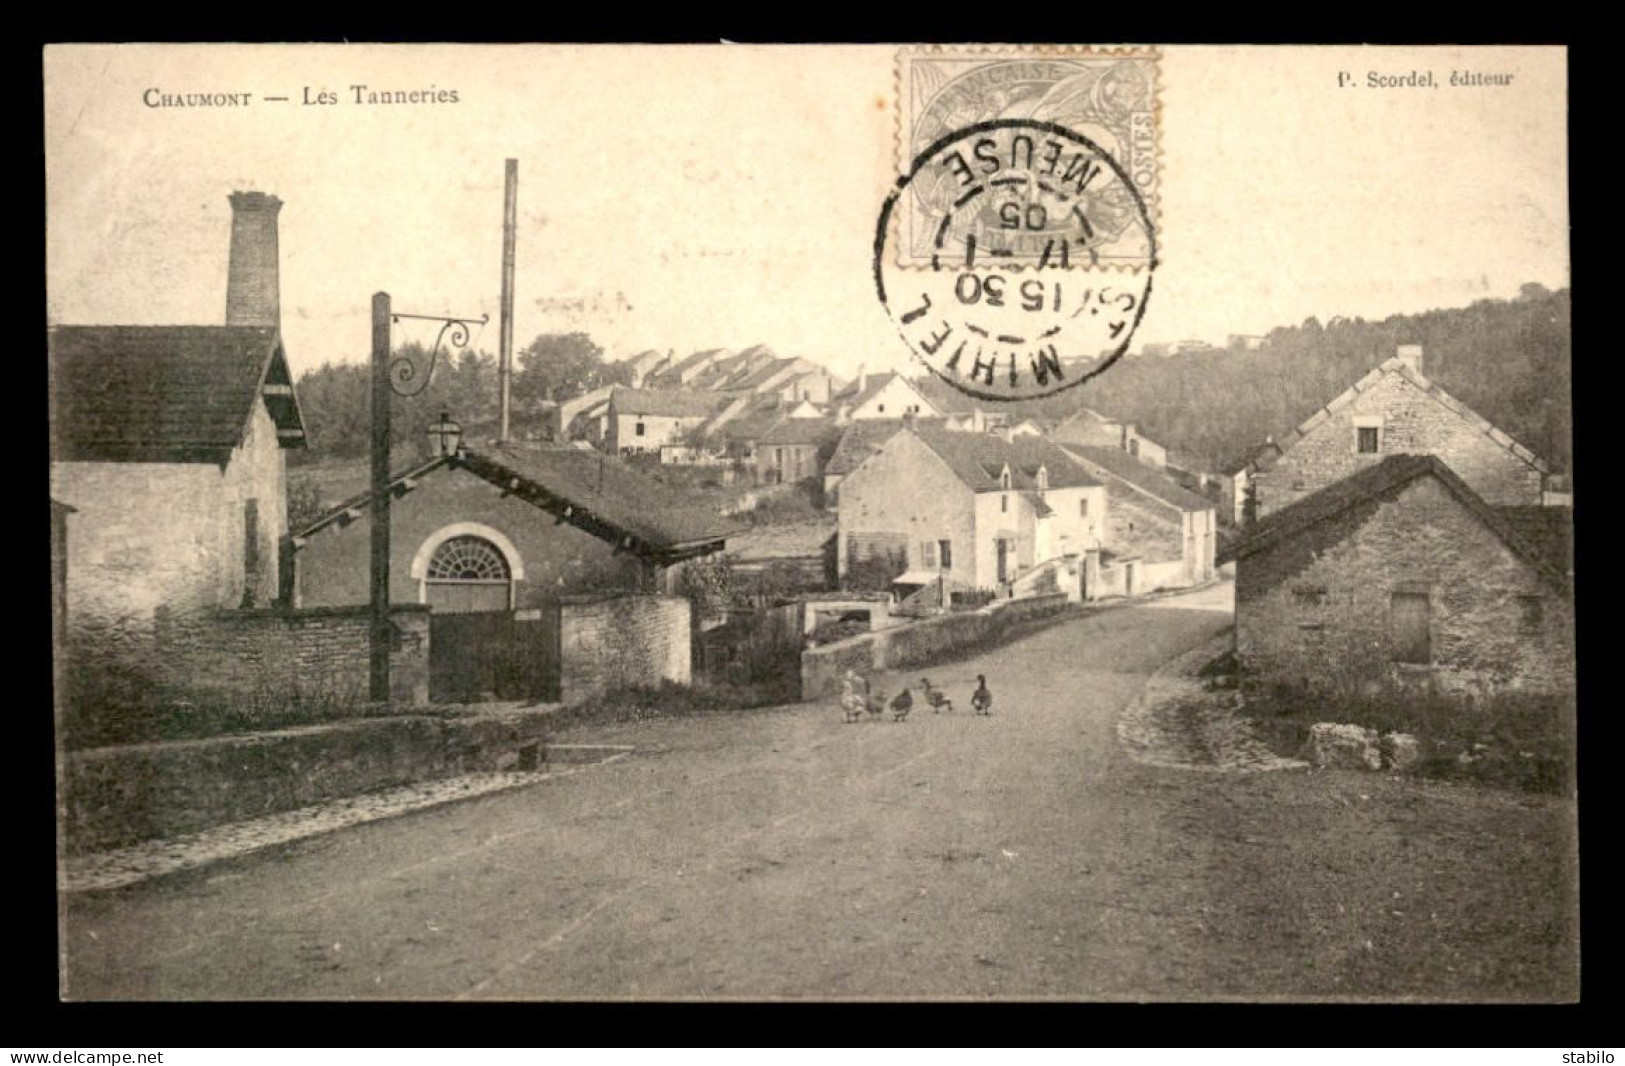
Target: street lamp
{"x": 391, "y": 378}
{"x": 445, "y": 436}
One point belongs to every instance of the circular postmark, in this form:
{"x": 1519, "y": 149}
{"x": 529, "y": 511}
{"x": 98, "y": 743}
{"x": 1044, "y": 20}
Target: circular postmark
{"x": 1015, "y": 258}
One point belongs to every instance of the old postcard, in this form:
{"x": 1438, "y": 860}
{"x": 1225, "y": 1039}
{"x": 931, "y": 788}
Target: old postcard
{"x": 976, "y": 522}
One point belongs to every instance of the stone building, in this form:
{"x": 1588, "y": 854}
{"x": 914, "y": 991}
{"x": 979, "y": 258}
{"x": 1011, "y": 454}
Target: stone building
{"x": 974, "y": 508}
{"x": 643, "y": 420}
{"x": 168, "y": 444}
{"x": 1090, "y": 428}
{"x": 1403, "y": 575}
{"x": 509, "y": 527}
{"x": 1171, "y": 530}
{"x": 1396, "y": 410}
{"x": 791, "y": 450}
{"x": 888, "y": 396}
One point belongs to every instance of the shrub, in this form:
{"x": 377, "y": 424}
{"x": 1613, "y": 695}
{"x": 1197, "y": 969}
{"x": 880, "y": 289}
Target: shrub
{"x": 119, "y": 706}
{"x": 874, "y": 573}
{"x": 1513, "y": 739}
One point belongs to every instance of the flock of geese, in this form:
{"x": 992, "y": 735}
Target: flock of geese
{"x": 859, "y": 698}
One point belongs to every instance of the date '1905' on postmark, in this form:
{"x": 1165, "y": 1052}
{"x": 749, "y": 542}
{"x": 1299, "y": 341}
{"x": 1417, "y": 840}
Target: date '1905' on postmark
{"x": 1016, "y": 253}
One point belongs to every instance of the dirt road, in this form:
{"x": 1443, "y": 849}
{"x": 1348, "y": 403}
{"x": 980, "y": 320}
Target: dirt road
{"x": 782, "y": 853}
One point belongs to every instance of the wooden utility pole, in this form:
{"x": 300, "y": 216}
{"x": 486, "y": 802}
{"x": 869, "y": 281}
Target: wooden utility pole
{"x": 381, "y": 630}
{"x": 510, "y": 207}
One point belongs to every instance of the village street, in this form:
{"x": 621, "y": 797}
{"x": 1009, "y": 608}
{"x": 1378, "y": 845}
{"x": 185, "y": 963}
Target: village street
{"x": 782, "y": 853}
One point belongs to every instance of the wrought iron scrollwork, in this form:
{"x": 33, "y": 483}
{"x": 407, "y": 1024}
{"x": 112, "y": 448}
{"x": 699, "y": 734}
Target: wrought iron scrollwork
{"x": 403, "y": 371}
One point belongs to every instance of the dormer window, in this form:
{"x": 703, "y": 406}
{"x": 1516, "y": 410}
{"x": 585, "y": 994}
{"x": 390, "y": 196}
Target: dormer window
{"x": 1004, "y": 479}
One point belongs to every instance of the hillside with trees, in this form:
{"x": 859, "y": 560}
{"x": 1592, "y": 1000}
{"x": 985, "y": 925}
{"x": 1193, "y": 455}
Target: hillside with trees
{"x": 1506, "y": 359}
{"x": 337, "y": 397}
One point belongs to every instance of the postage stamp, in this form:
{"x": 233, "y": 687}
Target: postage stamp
{"x": 1017, "y": 300}
{"x": 1108, "y": 96}
{"x": 1015, "y": 254}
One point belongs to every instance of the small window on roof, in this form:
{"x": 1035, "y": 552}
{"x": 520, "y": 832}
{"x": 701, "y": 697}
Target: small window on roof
{"x": 1004, "y": 479}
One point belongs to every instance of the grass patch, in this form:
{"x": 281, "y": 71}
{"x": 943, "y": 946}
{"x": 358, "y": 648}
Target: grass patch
{"x": 638, "y": 703}
{"x": 1508, "y": 740}
{"x": 110, "y": 706}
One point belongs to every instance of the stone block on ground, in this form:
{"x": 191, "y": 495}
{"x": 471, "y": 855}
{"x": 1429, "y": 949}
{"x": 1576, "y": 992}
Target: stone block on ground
{"x": 1343, "y": 747}
{"x": 1401, "y": 751}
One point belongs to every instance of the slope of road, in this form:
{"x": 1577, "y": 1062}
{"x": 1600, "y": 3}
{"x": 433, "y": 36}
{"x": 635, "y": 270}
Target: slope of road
{"x": 783, "y": 853}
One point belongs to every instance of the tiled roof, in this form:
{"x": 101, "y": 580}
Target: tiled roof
{"x": 644, "y": 361}
{"x": 164, "y": 393}
{"x": 801, "y": 431}
{"x": 1260, "y": 456}
{"x": 593, "y": 491}
{"x": 610, "y": 490}
{"x": 979, "y": 458}
{"x": 1548, "y": 531}
{"x": 873, "y": 383}
{"x": 1124, "y": 467}
{"x": 859, "y": 440}
{"x": 751, "y": 424}
{"x": 671, "y": 403}
{"x": 1382, "y": 481}
{"x": 760, "y": 375}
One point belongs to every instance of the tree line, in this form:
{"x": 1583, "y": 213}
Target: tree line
{"x": 1506, "y": 359}
{"x": 336, "y": 398}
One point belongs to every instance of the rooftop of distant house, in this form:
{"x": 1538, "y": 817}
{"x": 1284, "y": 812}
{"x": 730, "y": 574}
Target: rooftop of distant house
{"x": 1125, "y": 467}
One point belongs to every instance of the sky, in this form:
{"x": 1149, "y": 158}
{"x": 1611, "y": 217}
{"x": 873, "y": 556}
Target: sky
{"x": 701, "y": 197}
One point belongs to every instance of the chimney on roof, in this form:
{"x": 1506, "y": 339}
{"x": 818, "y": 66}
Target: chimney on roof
{"x": 910, "y": 419}
{"x": 863, "y": 379}
{"x": 252, "y": 287}
{"x": 1411, "y": 356}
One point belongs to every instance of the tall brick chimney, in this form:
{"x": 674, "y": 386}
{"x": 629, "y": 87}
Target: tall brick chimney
{"x": 252, "y": 288}
{"x": 1411, "y": 356}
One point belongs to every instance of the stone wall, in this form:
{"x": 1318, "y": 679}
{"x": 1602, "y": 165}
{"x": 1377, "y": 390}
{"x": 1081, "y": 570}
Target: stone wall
{"x": 121, "y": 795}
{"x": 1168, "y": 575}
{"x": 150, "y": 535}
{"x": 1139, "y": 526}
{"x": 917, "y": 643}
{"x": 315, "y": 652}
{"x": 627, "y": 640}
{"x": 1313, "y": 612}
{"x": 1414, "y": 422}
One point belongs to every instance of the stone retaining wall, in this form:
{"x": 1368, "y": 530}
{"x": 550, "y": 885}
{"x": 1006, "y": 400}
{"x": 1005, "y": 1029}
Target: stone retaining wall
{"x": 115, "y": 796}
{"x": 917, "y": 643}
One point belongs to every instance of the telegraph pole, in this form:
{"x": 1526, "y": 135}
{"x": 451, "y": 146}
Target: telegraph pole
{"x": 510, "y": 206}
{"x": 382, "y": 631}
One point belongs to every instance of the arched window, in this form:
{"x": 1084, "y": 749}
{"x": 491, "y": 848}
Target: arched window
{"x": 467, "y": 567}
{"x": 468, "y": 559}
